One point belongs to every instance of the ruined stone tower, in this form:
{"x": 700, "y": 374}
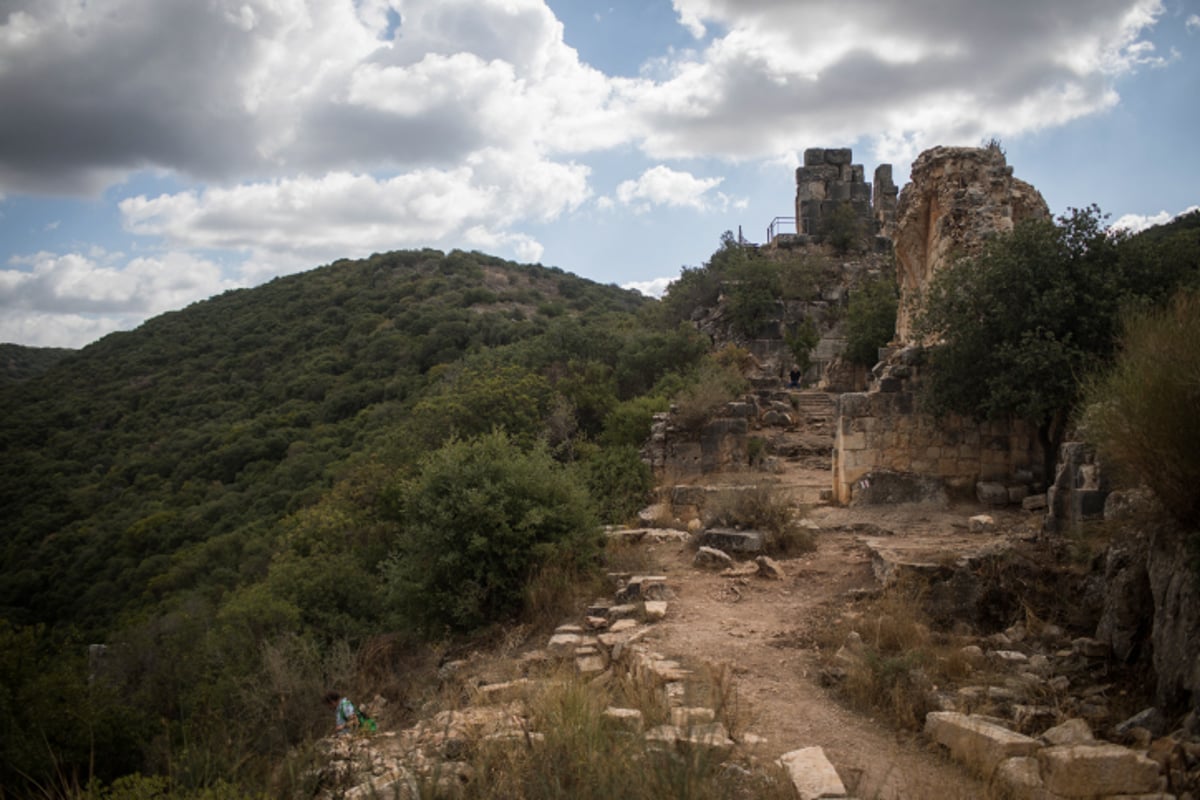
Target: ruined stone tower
{"x": 829, "y": 179}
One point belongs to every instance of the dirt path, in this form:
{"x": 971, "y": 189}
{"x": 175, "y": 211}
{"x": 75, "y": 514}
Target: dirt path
{"x": 765, "y": 631}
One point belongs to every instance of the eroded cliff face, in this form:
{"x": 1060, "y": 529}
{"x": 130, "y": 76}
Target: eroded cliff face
{"x": 957, "y": 198}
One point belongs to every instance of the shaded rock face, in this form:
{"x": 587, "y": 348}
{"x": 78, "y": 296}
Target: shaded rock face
{"x": 958, "y": 197}
{"x": 1152, "y": 598}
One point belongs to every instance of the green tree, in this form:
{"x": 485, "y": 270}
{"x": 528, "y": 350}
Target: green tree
{"x": 1019, "y": 325}
{"x": 843, "y": 230}
{"x": 478, "y": 521}
{"x": 871, "y": 320}
{"x": 800, "y": 341}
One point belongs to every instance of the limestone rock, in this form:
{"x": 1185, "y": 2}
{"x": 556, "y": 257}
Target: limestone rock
{"x": 655, "y": 610}
{"x": 1072, "y": 731}
{"x": 991, "y": 493}
{"x": 1096, "y": 770}
{"x": 712, "y": 558}
{"x": 957, "y": 199}
{"x": 978, "y": 744}
{"x": 981, "y": 523}
{"x": 812, "y": 775}
{"x": 627, "y": 718}
{"x": 732, "y": 541}
{"x": 770, "y": 568}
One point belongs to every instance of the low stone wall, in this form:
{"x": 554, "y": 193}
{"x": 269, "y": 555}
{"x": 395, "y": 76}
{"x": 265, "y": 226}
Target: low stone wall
{"x": 882, "y": 431}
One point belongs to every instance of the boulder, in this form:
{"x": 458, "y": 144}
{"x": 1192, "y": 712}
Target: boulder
{"x": 812, "y": 775}
{"x": 977, "y": 743}
{"x": 1096, "y": 770}
{"x": 770, "y": 568}
{"x": 981, "y": 523}
{"x": 732, "y": 541}
{"x": 991, "y": 493}
{"x": 712, "y": 558}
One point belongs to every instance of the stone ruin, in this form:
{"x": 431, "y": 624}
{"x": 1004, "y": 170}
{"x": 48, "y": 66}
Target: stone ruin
{"x": 829, "y": 179}
{"x": 957, "y": 199}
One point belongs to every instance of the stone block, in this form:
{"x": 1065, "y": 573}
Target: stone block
{"x": 836, "y": 155}
{"x": 655, "y": 610}
{"x": 712, "y": 558}
{"x": 1035, "y": 502}
{"x": 1097, "y": 770}
{"x": 1072, "y": 731}
{"x": 991, "y": 493}
{"x": 812, "y": 775}
{"x": 732, "y": 541}
{"x": 1018, "y": 493}
{"x": 981, "y": 523}
{"x": 628, "y": 718}
{"x": 978, "y": 744}
{"x": 1019, "y": 779}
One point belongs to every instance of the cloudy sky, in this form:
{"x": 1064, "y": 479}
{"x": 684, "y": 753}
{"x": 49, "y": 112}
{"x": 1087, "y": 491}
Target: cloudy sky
{"x": 156, "y": 152}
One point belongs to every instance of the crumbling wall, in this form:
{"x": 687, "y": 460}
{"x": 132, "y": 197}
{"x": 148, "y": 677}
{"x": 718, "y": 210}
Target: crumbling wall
{"x": 828, "y": 180}
{"x": 883, "y": 432}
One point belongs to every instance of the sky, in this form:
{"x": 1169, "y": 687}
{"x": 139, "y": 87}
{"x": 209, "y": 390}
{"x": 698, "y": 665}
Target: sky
{"x": 157, "y": 152}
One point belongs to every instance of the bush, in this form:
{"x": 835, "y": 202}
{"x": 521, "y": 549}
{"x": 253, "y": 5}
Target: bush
{"x": 1142, "y": 413}
{"x": 713, "y": 385}
{"x": 842, "y": 230}
{"x": 478, "y": 521}
{"x": 620, "y": 482}
{"x": 761, "y": 507}
{"x": 871, "y": 320}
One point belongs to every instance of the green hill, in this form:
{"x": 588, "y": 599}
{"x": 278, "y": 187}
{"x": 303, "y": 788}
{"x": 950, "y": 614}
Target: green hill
{"x": 213, "y": 422}
{"x": 19, "y": 363}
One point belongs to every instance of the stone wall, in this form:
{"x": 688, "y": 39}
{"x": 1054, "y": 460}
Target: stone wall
{"x": 828, "y": 180}
{"x": 882, "y": 433}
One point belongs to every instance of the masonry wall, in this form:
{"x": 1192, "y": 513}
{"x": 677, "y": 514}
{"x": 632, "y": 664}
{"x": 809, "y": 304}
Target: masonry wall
{"x": 882, "y": 430}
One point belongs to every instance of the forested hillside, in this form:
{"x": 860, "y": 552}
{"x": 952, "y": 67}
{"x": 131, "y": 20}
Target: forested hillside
{"x": 242, "y": 472}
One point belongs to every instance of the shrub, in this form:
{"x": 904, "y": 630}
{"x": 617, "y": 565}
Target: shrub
{"x": 842, "y": 230}
{"x": 763, "y": 508}
{"x": 620, "y": 482}
{"x": 1142, "y": 413}
{"x": 871, "y": 320}
{"x": 478, "y": 521}
{"x": 711, "y": 387}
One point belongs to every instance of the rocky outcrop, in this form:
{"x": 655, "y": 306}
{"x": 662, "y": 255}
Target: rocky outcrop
{"x": 958, "y": 197}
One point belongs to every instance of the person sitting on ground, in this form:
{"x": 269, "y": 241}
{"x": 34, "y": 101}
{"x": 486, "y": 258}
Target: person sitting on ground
{"x": 345, "y": 715}
{"x": 795, "y": 375}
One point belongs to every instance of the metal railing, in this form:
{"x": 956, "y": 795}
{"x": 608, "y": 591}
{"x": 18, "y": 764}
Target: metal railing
{"x": 780, "y": 225}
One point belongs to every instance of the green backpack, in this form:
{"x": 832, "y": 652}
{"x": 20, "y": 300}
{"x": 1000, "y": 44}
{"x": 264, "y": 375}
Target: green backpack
{"x": 365, "y": 723}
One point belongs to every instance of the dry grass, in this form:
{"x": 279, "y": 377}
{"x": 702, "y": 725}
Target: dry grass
{"x": 895, "y": 663}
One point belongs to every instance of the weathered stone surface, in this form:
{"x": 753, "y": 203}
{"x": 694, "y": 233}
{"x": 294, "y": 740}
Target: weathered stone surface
{"x": 1071, "y": 731}
{"x": 644, "y": 587}
{"x": 770, "y": 568}
{"x": 627, "y": 718}
{"x": 732, "y": 541}
{"x": 692, "y": 715}
{"x": 981, "y": 523}
{"x": 655, "y": 610}
{"x": 563, "y": 644}
{"x": 991, "y": 493}
{"x": 957, "y": 199}
{"x": 1019, "y": 778}
{"x": 712, "y": 558}
{"x": 978, "y": 744}
{"x": 886, "y": 487}
{"x": 1035, "y": 502}
{"x": 811, "y": 773}
{"x": 1096, "y": 770}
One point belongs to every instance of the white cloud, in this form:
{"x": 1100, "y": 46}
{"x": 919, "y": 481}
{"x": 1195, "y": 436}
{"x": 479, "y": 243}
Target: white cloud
{"x": 655, "y": 287}
{"x": 46, "y": 282}
{"x": 344, "y": 214}
{"x": 1135, "y": 223}
{"x": 1193, "y": 23}
{"x": 923, "y": 72}
{"x": 68, "y": 300}
{"x": 663, "y": 186}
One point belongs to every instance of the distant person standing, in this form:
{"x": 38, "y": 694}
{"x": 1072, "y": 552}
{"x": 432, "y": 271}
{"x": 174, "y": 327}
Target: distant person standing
{"x": 794, "y": 375}
{"x": 345, "y": 715}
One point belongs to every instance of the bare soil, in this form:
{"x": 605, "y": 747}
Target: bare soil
{"x": 769, "y": 633}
